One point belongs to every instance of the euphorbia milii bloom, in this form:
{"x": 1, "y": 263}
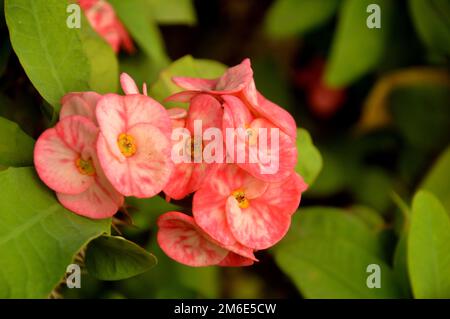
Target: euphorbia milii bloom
{"x": 233, "y": 206}
{"x": 103, "y": 19}
{"x": 188, "y": 177}
{"x": 182, "y": 240}
{"x": 65, "y": 160}
{"x": 134, "y": 145}
{"x": 80, "y": 103}
{"x": 259, "y": 147}
{"x": 238, "y": 81}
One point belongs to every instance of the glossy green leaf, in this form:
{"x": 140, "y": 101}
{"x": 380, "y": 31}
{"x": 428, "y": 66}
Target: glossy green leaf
{"x": 173, "y": 11}
{"x": 58, "y": 59}
{"x": 115, "y": 258}
{"x": 185, "y": 66}
{"x": 16, "y": 147}
{"x": 432, "y": 22}
{"x": 356, "y": 49}
{"x": 437, "y": 180}
{"x": 135, "y": 16}
{"x": 309, "y": 161}
{"x": 428, "y": 247}
{"x": 326, "y": 253}
{"x": 291, "y": 17}
{"x": 38, "y": 237}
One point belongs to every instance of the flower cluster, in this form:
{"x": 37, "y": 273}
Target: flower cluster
{"x": 105, "y": 147}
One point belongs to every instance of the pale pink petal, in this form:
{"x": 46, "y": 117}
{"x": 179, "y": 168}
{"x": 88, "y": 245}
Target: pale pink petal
{"x": 83, "y": 103}
{"x": 206, "y": 109}
{"x": 79, "y": 133}
{"x": 277, "y": 162}
{"x": 257, "y": 226}
{"x": 276, "y": 114}
{"x": 238, "y": 113}
{"x": 99, "y": 201}
{"x": 194, "y": 84}
{"x": 182, "y": 97}
{"x": 284, "y": 197}
{"x": 183, "y": 241}
{"x": 178, "y": 185}
{"x": 146, "y": 172}
{"x": 236, "y": 78}
{"x": 128, "y": 84}
{"x": 116, "y": 114}
{"x": 57, "y": 151}
{"x": 177, "y": 113}
{"x": 55, "y": 164}
{"x": 208, "y": 207}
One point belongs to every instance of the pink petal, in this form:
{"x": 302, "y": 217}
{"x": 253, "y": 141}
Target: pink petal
{"x": 146, "y": 172}
{"x": 116, "y": 114}
{"x": 276, "y": 114}
{"x": 177, "y": 113}
{"x": 178, "y": 185}
{"x": 206, "y": 109}
{"x": 257, "y": 226}
{"x": 128, "y": 84}
{"x": 208, "y": 205}
{"x": 180, "y": 238}
{"x": 235, "y": 79}
{"x": 194, "y": 84}
{"x": 182, "y": 97}
{"x": 281, "y": 161}
{"x": 284, "y": 197}
{"x": 235, "y": 260}
{"x": 83, "y": 103}
{"x": 99, "y": 201}
{"x": 238, "y": 114}
{"x": 57, "y": 150}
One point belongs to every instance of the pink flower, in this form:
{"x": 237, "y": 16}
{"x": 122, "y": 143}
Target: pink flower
{"x": 134, "y": 145}
{"x": 188, "y": 177}
{"x": 182, "y": 240}
{"x": 103, "y": 19}
{"x": 270, "y": 154}
{"x": 238, "y": 81}
{"x": 66, "y": 161}
{"x": 233, "y": 206}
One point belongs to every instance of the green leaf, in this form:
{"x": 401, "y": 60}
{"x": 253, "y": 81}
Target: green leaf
{"x": 291, "y": 17}
{"x": 38, "y": 237}
{"x": 115, "y": 258}
{"x": 356, "y": 49}
{"x": 432, "y": 22}
{"x": 57, "y": 59}
{"x": 16, "y": 147}
{"x": 173, "y": 11}
{"x": 134, "y": 15}
{"x": 437, "y": 180}
{"x": 428, "y": 251}
{"x": 185, "y": 66}
{"x": 309, "y": 161}
{"x": 326, "y": 254}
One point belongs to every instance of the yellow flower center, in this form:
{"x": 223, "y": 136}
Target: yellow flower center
{"x": 127, "y": 145}
{"x": 85, "y": 167}
{"x": 252, "y": 135}
{"x": 239, "y": 195}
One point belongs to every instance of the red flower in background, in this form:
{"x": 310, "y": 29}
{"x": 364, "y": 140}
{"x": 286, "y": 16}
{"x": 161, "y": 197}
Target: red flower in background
{"x": 104, "y": 21}
{"x": 323, "y": 100}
